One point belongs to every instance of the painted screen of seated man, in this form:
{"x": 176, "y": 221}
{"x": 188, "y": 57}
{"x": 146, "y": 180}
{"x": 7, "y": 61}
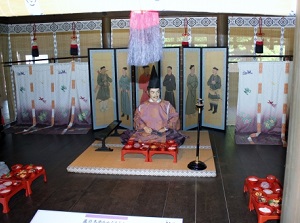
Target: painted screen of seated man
{"x": 155, "y": 120}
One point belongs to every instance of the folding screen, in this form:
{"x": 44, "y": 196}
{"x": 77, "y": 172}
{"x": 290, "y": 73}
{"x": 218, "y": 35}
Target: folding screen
{"x": 214, "y": 87}
{"x": 125, "y": 91}
{"x": 102, "y": 87}
{"x": 169, "y": 70}
{"x": 191, "y": 86}
{"x": 128, "y": 87}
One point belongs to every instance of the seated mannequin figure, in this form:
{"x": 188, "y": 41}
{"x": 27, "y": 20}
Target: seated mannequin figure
{"x": 155, "y": 120}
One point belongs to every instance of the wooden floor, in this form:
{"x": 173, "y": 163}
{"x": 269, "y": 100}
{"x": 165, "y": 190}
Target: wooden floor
{"x": 196, "y": 200}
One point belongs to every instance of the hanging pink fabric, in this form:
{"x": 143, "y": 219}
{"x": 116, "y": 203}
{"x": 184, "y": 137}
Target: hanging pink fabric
{"x": 143, "y": 19}
{"x": 145, "y": 42}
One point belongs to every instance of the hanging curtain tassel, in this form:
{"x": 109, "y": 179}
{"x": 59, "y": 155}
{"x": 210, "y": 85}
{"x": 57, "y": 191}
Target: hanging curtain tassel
{"x": 74, "y": 46}
{"x": 34, "y": 47}
{"x": 185, "y": 42}
{"x": 259, "y": 44}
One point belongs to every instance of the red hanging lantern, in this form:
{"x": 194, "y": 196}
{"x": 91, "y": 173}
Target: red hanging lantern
{"x": 34, "y": 47}
{"x": 185, "y": 42}
{"x": 259, "y": 44}
{"x": 74, "y": 46}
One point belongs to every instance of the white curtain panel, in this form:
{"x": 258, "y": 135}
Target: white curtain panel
{"x": 80, "y": 75}
{"x": 262, "y": 98}
{"x": 52, "y": 94}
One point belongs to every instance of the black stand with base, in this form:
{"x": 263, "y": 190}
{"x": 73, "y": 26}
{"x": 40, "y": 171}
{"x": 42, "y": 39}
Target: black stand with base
{"x": 197, "y": 164}
{"x": 102, "y": 135}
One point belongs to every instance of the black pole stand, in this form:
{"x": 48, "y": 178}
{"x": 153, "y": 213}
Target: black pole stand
{"x": 197, "y": 164}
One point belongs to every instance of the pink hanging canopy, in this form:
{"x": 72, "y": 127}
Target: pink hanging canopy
{"x": 145, "y": 42}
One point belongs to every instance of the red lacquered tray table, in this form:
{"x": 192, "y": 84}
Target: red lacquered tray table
{"x": 21, "y": 178}
{"x": 27, "y": 174}
{"x": 126, "y": 149}
{"x": 164, "y": 151}
{"x": 28, "y": 181}
{"x": 261, "y": 218}
{"x": 258, "y": 188}
{"x": 9, "y": 189}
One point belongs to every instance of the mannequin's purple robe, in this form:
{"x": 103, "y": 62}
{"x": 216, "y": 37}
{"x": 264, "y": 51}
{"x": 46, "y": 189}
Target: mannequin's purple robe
{"x": 156, "y": 115}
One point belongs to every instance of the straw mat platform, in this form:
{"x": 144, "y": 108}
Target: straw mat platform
{"x": 95, "y": 162}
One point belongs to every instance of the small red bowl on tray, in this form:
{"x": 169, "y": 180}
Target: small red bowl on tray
{"x": 258, "y": 193}
{"x": 136, "y": 145}
{"x": 29, "y": 167}
{"x": 16, "y": 183}
{"x": 145, "y": 147}
{"x": 275, "y": 203}
{"x": 153, "y": 147}
{"x": 16, "y": 167}
{"x": 7, "y": 183}
{"x": 130, "y": 142}
{"x": 6, "y": 176}
{"x": 256, "y": 189}
{"x": 276, "y": 188}
{"x": 170, "y": 141}
{"x": 128, "y": 146}
{"x": 271, "y": 179}
{"x": 38, "y": 168}
{"x": 156, "y": 144}
{"x": 267, "y": 192}
{"x": 22, "y": 174}
{"x": 265, "y": 209}
{"x": 261, "y": 199}
{"x": 252, "y": 179}
{"x": 5, "y": 191}
{"x": 172, "y": 148}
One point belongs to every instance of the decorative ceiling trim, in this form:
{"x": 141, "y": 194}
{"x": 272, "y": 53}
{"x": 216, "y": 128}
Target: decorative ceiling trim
{"x": 54, "y": 27}
{"x": 164, "y": 23}
{"x": 266, "y": 21}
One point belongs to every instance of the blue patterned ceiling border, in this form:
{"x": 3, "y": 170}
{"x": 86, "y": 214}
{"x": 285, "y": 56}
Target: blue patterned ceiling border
{"x": 171, "y": 22}
{"x": 266, "y": 21}
{"x": 3, "y": 29}
{"x": 53, "y": 27}
{"x": 164, "y": 23}
{"x": 120, "y": 24}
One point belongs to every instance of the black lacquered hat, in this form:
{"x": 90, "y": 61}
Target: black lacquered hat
{"x": 154, "y": 81}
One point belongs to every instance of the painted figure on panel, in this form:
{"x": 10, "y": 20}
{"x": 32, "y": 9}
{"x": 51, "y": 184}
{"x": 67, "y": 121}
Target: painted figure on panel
{"x": 102, "y": 89}
{"x": 192, "y": 85}
{"x": 214, "y": 83}
{"x": 143, "y": 83}
{"x": 170, "y": 84}
{"x": 155, "y": 120}
{"x": 124, "y": 84}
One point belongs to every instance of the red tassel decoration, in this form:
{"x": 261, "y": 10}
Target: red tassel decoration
{"x": 74, "y": 46}
{"x": 34, "y": 47}
{"x": 185, "y": 42}
{"x": 259, "y": 44}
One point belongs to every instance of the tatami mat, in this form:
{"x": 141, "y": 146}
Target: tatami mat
{"x": 99, "y": 162}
